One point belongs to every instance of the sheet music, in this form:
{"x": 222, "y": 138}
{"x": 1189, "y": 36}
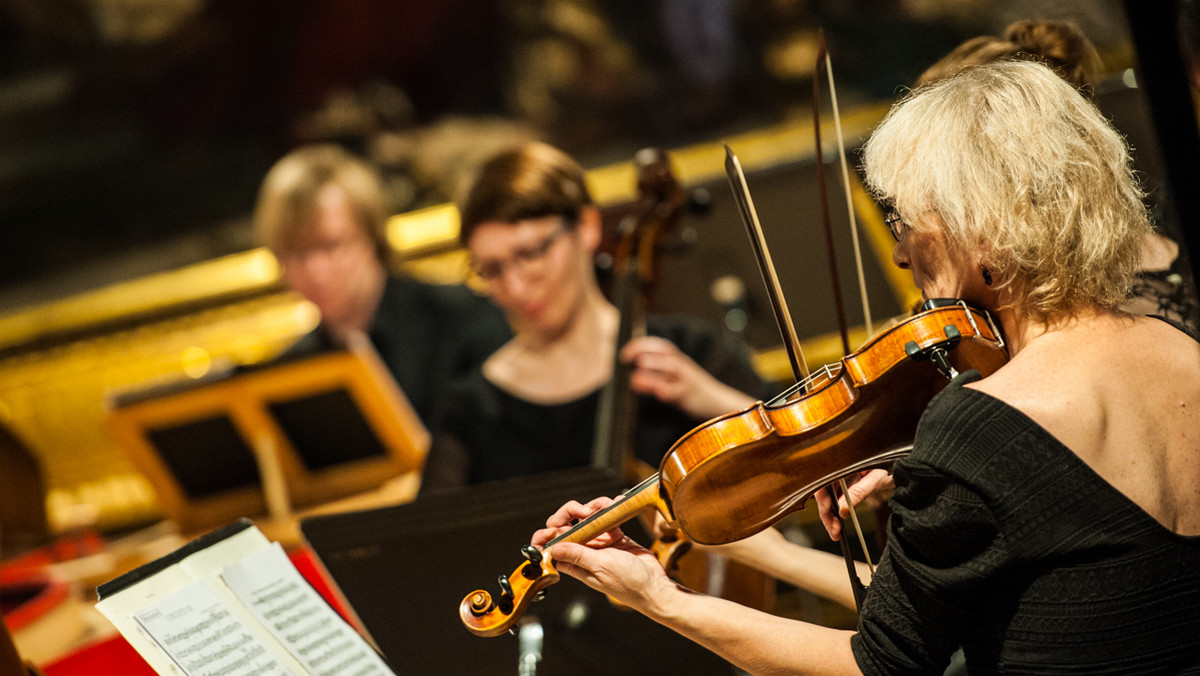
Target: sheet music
{"x": 283, "y": 601}
{"x": 205, "y": 637}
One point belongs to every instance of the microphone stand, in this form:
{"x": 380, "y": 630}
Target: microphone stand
{"x": 529, "y": 640}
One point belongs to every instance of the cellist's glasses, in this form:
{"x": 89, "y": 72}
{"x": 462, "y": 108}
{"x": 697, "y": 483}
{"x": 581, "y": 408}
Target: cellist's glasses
{"x": 526, "y": 260}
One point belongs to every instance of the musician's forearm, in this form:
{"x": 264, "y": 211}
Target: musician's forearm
{"x": 755, "y": 641}
{"x": 810, "y": 569}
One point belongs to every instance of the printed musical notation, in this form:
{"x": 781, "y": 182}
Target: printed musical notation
{"x": 204, "y": 637}
{"x": 232, "y": 604}
{"x": 283, "y": 602}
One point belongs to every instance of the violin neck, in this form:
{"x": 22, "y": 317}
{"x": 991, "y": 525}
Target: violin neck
{"x": 636, "y": 500}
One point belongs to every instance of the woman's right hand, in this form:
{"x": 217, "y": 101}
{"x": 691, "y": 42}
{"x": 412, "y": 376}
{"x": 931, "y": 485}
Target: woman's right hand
{"x": 869, "y": 483}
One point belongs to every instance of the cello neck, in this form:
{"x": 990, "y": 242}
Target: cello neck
{"x": 616, "y": 411}
{"x": 660, "y": 201}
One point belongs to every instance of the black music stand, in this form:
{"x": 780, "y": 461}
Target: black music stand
{"x": 405, "y": 569}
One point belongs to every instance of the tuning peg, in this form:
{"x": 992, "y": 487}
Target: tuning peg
{"x": 532, "y": 554}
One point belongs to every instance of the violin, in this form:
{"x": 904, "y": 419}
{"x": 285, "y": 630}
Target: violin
{"x": 740, "y": 473}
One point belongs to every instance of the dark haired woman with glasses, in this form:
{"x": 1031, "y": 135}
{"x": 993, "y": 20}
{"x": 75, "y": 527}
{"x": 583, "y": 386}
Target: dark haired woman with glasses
{"x": 531, "y": 229}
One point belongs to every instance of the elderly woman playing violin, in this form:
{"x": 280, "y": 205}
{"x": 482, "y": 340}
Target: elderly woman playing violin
{"x": 1048, "y": 518}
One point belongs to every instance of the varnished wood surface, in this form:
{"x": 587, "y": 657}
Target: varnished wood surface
{"x": 861, "y": 416}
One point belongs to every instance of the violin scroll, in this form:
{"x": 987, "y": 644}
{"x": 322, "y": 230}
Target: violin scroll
{"x": 485, "y": 615}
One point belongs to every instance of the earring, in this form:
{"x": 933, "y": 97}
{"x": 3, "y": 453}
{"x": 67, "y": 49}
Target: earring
{"x": 987, "y": 276}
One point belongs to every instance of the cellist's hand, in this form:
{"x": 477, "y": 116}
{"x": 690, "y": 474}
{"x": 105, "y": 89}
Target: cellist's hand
{"x": 662, "y": 370}
{"x": 869, "y": 483}
{"x": 611, "y": 563}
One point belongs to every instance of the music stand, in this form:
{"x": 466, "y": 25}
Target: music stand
{"x": 290, "y": 434}
{"x": 405, "y": 568}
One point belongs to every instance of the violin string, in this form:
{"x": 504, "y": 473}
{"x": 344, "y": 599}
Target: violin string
{"x": 826, "y": 372}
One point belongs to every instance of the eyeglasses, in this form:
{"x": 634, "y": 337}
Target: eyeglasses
{"x": 895, "y": 224}
{"x": 525, "y": 260}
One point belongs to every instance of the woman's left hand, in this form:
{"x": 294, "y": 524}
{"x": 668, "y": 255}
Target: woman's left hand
{"x": 611, "y": 563}
{"x": 660, "y": 369}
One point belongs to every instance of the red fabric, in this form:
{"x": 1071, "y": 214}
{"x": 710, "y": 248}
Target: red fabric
{"x": 35, "y": 592}
{"x": 67, "y": 547}
{"x": 111, "y": 656}
{"x": 116, "y": 657}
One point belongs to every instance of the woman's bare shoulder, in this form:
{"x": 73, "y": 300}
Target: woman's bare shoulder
{"x": 1124, "y": 349}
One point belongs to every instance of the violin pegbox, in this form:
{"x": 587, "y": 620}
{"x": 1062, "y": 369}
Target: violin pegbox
{"x": 485, "y": 615}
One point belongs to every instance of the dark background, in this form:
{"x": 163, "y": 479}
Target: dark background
{"x": 133, "y": 133}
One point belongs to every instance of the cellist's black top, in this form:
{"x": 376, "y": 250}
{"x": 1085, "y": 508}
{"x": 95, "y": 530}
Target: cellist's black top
{"x": 427, "y": 335}
{"x": 484, "y": 433}
{"x": 1004, "y": 542}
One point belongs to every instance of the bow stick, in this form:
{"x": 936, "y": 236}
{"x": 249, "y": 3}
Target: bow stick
{"x": 758, "y": 242}
{"x": 791, "y": 343}
{"x": 783, "y": 317}
{"x": 823, "y": 61}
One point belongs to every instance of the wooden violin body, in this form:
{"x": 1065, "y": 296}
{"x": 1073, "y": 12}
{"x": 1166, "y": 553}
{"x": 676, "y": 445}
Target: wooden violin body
{"x": 740, "y": 473}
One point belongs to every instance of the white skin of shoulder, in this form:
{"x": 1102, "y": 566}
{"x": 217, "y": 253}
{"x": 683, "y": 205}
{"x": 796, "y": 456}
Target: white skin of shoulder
{"x": 1101, "y": 382}
{"x": 1106, "y": 384}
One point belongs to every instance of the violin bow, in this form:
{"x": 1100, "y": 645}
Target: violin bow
{"x": 823, "y": 61}
{"x": 758, "y": 242}
{"x": 791, "y": 341}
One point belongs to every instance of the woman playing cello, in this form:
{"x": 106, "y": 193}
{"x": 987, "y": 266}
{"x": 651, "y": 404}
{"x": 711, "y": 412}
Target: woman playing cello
{"x": 1047, "y": 519}
{"x": 531, "y": 229}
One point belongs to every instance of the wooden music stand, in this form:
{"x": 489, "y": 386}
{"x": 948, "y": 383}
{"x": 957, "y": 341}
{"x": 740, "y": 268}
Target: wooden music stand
{"x": 262, "y": 441}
